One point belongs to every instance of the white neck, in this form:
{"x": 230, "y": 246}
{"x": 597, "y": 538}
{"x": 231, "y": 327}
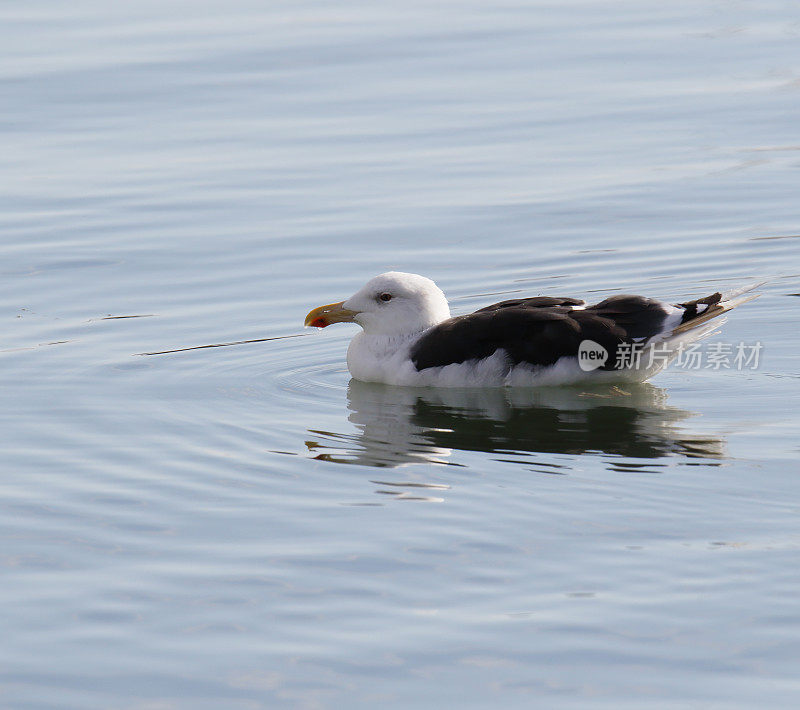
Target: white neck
{"x": 376, "y": 357}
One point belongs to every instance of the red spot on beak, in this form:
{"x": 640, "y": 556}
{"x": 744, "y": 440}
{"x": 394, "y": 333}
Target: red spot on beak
{"x": 318, "y": 323}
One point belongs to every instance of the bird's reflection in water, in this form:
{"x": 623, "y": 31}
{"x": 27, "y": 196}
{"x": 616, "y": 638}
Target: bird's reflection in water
{"x": 632, "y": 425}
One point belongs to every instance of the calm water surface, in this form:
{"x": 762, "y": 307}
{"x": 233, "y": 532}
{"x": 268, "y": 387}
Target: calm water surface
{"x": 243, "y": 527}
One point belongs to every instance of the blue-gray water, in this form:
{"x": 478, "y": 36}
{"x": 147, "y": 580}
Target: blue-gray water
{"x": 241, "y": 527}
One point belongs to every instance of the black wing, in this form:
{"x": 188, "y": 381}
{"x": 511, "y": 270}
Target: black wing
{"x": 640, "y": 317}
{"x": 538, "y": 332}
{"x": 535, "y": 302}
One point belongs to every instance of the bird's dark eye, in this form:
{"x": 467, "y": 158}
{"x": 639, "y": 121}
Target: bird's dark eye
{"x": 385, "y": 297}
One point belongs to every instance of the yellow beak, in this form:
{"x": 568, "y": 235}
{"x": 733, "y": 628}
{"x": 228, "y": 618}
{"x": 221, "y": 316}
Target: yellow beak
{"x": 332, "y": 313}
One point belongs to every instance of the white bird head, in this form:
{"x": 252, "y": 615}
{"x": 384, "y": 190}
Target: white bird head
{"x": 393, "y": 303}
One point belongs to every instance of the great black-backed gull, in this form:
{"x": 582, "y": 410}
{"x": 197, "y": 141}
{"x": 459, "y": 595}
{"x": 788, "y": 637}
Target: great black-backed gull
{"x": 409, "y": 338}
